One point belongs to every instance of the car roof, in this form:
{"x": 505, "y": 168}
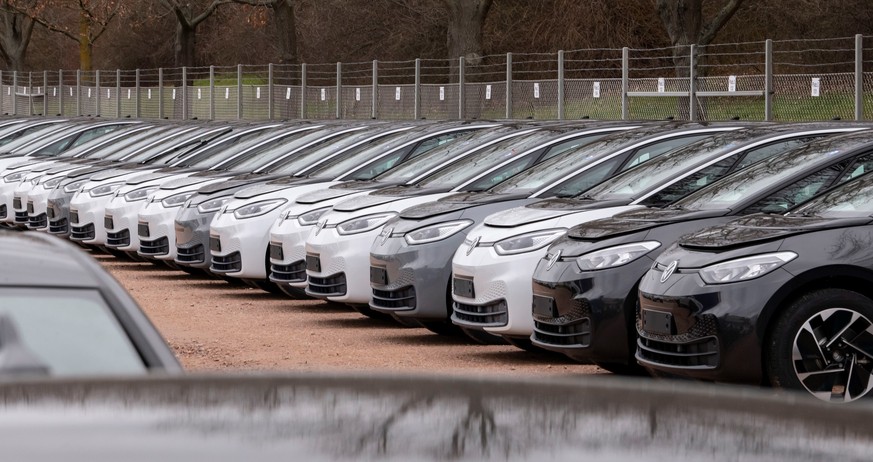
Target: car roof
{"x": 38, "y": 260}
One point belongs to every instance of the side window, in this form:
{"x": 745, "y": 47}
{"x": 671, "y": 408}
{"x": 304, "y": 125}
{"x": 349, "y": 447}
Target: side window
{"x": 796, "y": 193}
{"x": 94, "y": 133}
{"x": 656, "y": 149}
{"x": 434, "y": 142}
{"x": 691, "y": 183}
{"x": 859, "y": 167}
{"x": 765, "y": 152}
{"x": 502, "y": 173}
{"x": 54, "y": 148}
{"x": 574, "y": 143}
{"x": 583, "y": 181}
{"x": 380, "y": 166}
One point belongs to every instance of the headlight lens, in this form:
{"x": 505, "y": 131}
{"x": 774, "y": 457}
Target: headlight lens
{"x": 615, "y": 256}
{"x": 176, "y": 200}
{"x": 364, "y": 224}
{"x": 74, "y": 186}
{"x": 53, "y": 183}
{"x": 139, "y": 194}
{"x": 212, "y": 205}
{"x": 35, "y": 181}
{"x": 311, "y": 217}
{"x": 258, "y": 208}
{"x": 13, "y": 177}
{"x": 528, "y": 242}
{"x": 105, "y": 189}
{"x": 436, "y": 232}
{"x": 743, "y": 269}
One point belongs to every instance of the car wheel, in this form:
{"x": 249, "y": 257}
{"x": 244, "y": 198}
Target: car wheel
{"x": 823, "y": 343}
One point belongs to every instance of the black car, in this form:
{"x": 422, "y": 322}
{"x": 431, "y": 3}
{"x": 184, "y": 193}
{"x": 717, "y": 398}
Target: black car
{"x": 585, "y": 287}
{"x": 61, "y": 314}
{"x": 778, "y": 299}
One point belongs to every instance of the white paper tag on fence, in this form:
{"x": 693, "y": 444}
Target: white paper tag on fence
{"x": 108, "y": 94}
{"x": 199, "y": 95}
{"x": 442, "y": 93}
{"x": 536, "y": 90}
{"x": 39, "y": 90}
{"x": 661, "y": 85}
{"x": 128, "y": 93}
{"x": 89, "y": 93}
{"x": 227, "y": 93}
{"x": 816, "y": 86}
{"x": 323, "y": 94}
{"x": 150, "y": 93}
{"x": 9, "y": 91}
{"x": 71, "y": 91}
{"x": 174, "y": 93}
{"x": 357, "y": 94}
{"x": 54, "y": 91}
{"x": 287, "y": 93}
{"x": 397, "y": 93}
{"x": 595, "y": 89}
{"x": 732, "y": 83}
{"x": 487, "y": 91}
{"x": 258, "y": 92}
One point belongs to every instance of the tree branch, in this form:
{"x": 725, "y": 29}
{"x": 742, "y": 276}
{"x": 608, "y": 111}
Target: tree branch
{"x": 710, "y": 30}
{"x": 209, "y": 10}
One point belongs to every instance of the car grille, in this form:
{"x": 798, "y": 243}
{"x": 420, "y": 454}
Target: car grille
{"x": 3, "y": 211}
{"x": 399, "y": 299}
{"x": 227, "y": 264}
{"x": 16, "y": 203}
{"x": 59, "y": 226}
{"x": 696, "y": 348}
{"x": 160, "y": 246}
{"x": 570, "y": 329}
{"x": 81, "y": 233}
{"x": 330, "y": 286}
{"x": 118, "y": 239}
{"x": 193, "y": 254}
{"x": 37, "y": 221}
{"x": 490, "y": 315}
{"x": 294, "y": 272}
{"x": 21, "y": 217}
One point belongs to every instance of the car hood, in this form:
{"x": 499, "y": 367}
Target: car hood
{"x": 339, "y": 190}
{"x": 637, "y": 220}
{"x": 456, "y": 203}
{"x": 271, "y": 187}
{"x": 545, "y": 210}
{"x": 761, "y": 228}
{"x": 177, "y": 183}
{"x": 236, "y": 182}
{"x": 116, "y": 172}
{"x": 152, "y": 176}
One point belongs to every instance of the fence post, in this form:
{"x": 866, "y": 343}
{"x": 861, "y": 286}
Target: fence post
{"x": 692, "y": 86}
{"x": 374, "y": 96}
{"x": 625, "y": 73}
{"x": 211, "y": 92}
{"x": 14, "y": 92}
{"x": 416, "y": 105}
{"x": 184, "y": 96}
{"x": 239, "y": 91}
{"x": 303, "y": 91}
{"x": 339, "y": 90}
{"x": 30, "y": 93}
{"x": 60, "y": 91}
{"x": 45, "y": 104}
{"x": 78, "y": 92}
{"x": 118, "y": 93}
{"x": 160, "y": 92}
{"x": 768, "y": 80}
{"x": 508, "y": 85}
{"x": 561, "y": 85}
{"x": 859, "y": 77}
{"x": 97, "y": 91}
{"x": 462, "y": 101}
{"x": 137, "y": 109}
{"x": 270, "y": 90}
{"x": 2, "y": 95}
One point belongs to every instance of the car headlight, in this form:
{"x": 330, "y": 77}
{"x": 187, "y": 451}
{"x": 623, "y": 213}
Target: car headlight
{"x": 364, "y": 224}
{"x": 35, "y": 181}
{"x": 176, "y": 200}
{"x": 615, "y": 256}
{"x": 105, "y": 189}
{"x": 311, "y": 217}
{"x": 436, "y": 232}
{"x": 527, "y": 242}
{"x": 14, "y": 177}
{"x": 743, "y": 269}
{"x": 258, "y": 208}
{"x": 53, "y": 183}
{"x": 139, "y": 194}
{"x": 212, "y": 205}
{"x": 74, "y": 186}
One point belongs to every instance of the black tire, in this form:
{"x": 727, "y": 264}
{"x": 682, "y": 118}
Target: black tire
{"x": 294, "y": 292}
{"x": 371, "y": 313}
{"x": 267, "y": 286}
{"x": 484, "y": 338}
{"x": 828, "y": 329}
{"x": 526, "y": 345}
{"x": 624, "y": 369}
{"x": 445, "y": 328}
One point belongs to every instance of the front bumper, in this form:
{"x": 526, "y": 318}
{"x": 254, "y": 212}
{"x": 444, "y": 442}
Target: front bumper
{"x": 191, "y": 228}
{"x": 156, "y": 231}
{"x": 342, "y": 272}
{"x": 288, "y": 252}
{"x": 239, "y": 247}
{"x": 120, "y": 224}
{"x": 58, "y": 213}
{"x": 37, "y": 208}
{"x": 87, "y": 215}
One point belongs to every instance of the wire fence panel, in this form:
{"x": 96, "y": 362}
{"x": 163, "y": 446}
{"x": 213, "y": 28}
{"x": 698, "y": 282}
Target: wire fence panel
{"x": 592, "y": 99}
{"x": 439, "y": 101}
{"x": 357, "y": 102}
{"x": 814, "y": 97}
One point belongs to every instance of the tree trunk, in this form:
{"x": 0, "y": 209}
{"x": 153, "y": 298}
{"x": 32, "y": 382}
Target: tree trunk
{"x": 186, "y": 42}
{"x": 286, "y": 30}
{"x": 85, "y": 46}
{"x": 17, "y": 29}
{"x": 464, "y": 33}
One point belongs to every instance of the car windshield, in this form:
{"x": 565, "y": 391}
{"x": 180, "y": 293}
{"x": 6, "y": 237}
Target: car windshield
{"x": 854, "y": 199}
{"x": 69, "y": 331}
{"x": 313, "y": 148}
{"x": 634, "y": 182}
{"x": 151, "y": 145}
{"x": 436, "y": 157}
{"x": 226, "y": 147}
{"x": 262, "y": 151}
{"x": 751, "y": 181}
{"x": 97, "y": 144}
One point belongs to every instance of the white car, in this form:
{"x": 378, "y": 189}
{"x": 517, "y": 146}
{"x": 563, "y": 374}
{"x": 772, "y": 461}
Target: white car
{"x": 492, "y": 269}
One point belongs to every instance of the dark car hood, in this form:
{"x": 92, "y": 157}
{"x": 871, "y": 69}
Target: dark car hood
{"x": 156, "y": 175}
{"x": 455, "y": 203}
{"x": 183, "y": 182}
{"x": 273, "y": 186}
{"x": 234, "y": 183}
{"x": 760, "y": 228}
{"x": 116, "y": 172}
{"x": 637, "y": 220}
{"x": 338, "y": 190}
{"x": 545, "y": 210}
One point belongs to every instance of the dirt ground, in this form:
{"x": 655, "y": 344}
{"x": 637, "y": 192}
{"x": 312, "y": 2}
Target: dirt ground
{"x": 213, "y": 325}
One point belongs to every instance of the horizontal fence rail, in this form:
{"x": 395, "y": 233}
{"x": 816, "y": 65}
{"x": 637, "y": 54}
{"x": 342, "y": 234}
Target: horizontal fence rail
{"x": 792, "y": 80}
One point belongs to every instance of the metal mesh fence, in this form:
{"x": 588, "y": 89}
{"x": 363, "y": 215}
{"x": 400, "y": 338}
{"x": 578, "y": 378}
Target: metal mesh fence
{"x": 790, "y": 80}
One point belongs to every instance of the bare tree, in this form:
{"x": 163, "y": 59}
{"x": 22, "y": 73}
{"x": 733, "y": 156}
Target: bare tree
{"x": 286, "y": 29}
{"x": 684, "y": 22}
{"x": 15, "y": 34}
{"x": 464, "y": 33}
{"x": 186, "y": 28}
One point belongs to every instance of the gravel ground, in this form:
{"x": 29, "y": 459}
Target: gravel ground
{"x": 213, "y": 325}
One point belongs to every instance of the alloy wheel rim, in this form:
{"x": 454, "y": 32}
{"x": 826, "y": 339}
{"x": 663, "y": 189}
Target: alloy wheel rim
{"x": 833, "y": 355}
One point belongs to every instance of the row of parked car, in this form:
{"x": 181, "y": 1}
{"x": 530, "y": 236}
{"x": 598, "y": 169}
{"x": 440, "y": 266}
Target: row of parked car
{"x": 734, "y": 252}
